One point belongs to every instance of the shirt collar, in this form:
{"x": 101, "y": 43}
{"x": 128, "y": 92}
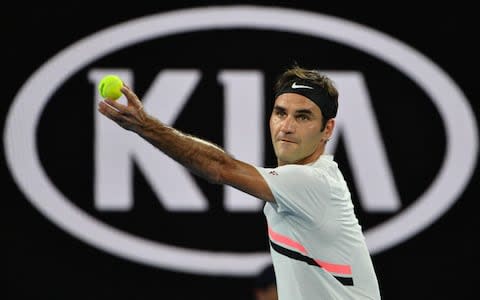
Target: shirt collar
{"x": 322, "y": 157}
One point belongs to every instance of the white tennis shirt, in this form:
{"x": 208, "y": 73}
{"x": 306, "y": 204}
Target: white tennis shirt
{"x": 317, "y": 245}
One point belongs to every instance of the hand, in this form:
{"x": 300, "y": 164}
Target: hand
{"x": 131, "y": 116}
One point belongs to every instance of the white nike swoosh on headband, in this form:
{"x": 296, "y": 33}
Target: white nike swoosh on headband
{"x": 299, "y": 86}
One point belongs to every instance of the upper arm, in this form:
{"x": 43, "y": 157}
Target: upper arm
{"x": 246, "y": 178}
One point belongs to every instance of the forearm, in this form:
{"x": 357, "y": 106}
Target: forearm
{"x": 201, "y": 157}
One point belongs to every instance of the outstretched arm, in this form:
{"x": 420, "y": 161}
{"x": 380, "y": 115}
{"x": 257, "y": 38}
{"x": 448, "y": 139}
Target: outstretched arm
{"x": 201, "y": 157}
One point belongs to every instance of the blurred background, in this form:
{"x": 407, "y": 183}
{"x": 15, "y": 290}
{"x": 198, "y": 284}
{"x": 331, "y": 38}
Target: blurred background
{"x": 93, "y": 212}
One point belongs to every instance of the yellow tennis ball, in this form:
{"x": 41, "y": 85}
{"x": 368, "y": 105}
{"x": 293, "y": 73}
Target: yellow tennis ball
{"x": 110, "y": 87}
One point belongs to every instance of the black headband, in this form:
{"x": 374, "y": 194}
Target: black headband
{"x": 315, "y": 93}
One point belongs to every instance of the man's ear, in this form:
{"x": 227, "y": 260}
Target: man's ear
{"x": 329, "y": 127}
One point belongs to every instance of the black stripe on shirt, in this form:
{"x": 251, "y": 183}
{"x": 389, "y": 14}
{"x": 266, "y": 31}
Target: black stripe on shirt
{"x": 308, "y": 260}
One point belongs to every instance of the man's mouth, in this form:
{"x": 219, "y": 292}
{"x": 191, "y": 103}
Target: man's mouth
{"x": 286, "y": 141}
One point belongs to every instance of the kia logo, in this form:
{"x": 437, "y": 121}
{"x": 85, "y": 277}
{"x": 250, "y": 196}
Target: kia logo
{"x": 113, "y": 191}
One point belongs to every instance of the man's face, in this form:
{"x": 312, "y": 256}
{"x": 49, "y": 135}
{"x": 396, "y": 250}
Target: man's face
{"x": 295, "y": 126}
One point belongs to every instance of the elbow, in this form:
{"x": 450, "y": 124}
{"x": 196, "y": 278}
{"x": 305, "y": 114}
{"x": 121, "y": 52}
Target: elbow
{"x": 218, "y": 176}
{"x": 214, "y": 177}
{"x": 222, "y": 172}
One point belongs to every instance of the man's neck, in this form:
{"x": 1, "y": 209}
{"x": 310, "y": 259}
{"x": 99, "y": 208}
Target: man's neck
{"x": 306, "y": 160}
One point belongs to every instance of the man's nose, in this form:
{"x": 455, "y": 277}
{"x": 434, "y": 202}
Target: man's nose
{"x": 288, "y": 125}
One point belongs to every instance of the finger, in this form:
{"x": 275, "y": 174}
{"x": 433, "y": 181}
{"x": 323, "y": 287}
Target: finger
{"x": 131, "y": 97}
{"x": 108, "y": 111}
{"x": 120, "y": 107}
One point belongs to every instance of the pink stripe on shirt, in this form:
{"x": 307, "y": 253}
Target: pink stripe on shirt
{"x": 330, "y": 267}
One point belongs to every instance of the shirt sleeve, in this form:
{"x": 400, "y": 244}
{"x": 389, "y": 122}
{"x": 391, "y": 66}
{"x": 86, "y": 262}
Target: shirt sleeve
{"x": 299, "y": 190}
